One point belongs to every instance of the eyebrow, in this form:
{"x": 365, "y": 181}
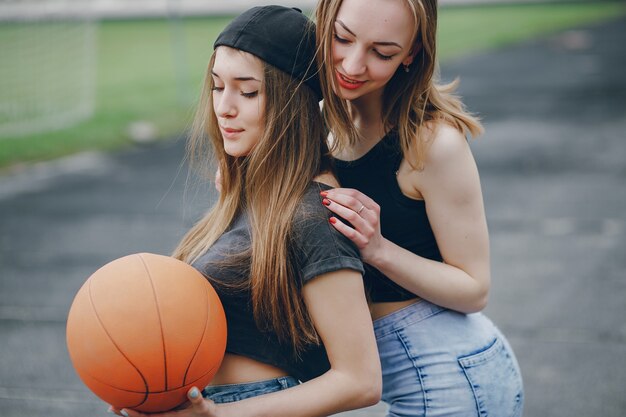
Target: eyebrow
{"x": 237, "y": 78}
{"x": 381, "y": 43}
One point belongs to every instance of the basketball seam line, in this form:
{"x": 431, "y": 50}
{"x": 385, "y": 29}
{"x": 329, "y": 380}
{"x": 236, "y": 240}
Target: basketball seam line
{"x": 148, "y": 393}
{"x": 156, "y": 302}
{"x": 145, "y": 383}
{"x": 206, "y": 324}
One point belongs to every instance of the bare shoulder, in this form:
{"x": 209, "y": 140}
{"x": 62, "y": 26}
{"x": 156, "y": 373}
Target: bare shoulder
{"x": 446, "y": 140}
{"x": 328, "y": 179}
{"x": 447, "y": 147}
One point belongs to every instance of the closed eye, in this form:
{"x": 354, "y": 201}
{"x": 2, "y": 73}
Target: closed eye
{"x": 339, "y": 39}
{"x": 384, "y": 57}
{"x": 251, "y": 94}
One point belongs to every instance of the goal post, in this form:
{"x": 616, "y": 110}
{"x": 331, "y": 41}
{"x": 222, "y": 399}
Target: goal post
{"x": 47, "y": 65}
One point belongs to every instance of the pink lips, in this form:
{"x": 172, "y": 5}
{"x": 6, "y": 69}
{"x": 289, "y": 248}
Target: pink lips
{"x": 230, "y": 133}
{"x": 348, "y": 83}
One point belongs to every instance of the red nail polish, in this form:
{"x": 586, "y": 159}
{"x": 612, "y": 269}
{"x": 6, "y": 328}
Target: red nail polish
{"x": 324, "y": 193}
{"x": 326, "y": 202}
{"x": 332, "y": 220}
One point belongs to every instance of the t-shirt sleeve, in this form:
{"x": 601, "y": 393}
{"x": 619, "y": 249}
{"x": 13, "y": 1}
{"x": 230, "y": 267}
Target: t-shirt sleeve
{"x": 318, "y": 246}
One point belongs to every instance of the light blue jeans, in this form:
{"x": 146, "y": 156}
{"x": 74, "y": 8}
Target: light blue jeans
{"x": 236, "y": 392}
{"x": 438, "y": 362}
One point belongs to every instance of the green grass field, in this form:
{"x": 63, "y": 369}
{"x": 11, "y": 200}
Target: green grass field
{"x": 138, "y": 64}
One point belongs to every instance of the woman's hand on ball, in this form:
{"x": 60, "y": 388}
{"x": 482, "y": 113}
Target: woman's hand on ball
{"x": 196, "y": 407}
{"x": 201, "y": 406}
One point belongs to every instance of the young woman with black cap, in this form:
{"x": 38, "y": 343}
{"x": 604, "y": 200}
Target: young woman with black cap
{"x": 290, "y": 284}
{"x": 412, "y": 203}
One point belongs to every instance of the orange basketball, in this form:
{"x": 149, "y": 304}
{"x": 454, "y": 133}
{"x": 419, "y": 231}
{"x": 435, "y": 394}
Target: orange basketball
{"x": 145, "y": 328}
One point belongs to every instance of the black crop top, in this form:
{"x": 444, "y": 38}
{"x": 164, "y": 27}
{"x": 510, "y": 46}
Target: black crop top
{"x": 402, "y": 220}
{"x": 317, "y": 248}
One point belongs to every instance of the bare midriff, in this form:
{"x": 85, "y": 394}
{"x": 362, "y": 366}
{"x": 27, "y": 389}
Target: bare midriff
{"x": 379, "y": 310}
{"x": 237, "y": 369}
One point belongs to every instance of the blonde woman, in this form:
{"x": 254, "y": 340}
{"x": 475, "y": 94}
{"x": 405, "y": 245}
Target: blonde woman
{"x": 412, "y": 203}
{"x": 300, "y": 338}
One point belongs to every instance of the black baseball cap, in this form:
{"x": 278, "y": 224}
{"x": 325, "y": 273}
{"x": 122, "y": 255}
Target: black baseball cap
{"x": 281, "y": 36}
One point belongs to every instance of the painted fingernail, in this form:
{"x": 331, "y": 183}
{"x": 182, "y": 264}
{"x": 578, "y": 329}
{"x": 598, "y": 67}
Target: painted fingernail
{"x": 124, "y": 413}
{"x": 326, "y": 202}
{"x": 194, "y": 393}
{"x": 332, "y": 220}
{"x": 324, "y": 193}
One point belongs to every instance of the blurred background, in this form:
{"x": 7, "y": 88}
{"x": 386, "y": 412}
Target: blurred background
{"x": 81, "y": 75}
{"x": 95, "y": 100}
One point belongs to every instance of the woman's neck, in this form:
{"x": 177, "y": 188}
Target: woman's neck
{"x": 366, "y": 114}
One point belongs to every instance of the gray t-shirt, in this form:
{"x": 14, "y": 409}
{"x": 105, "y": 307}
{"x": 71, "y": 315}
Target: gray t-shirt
{"x": 317, "y": 248}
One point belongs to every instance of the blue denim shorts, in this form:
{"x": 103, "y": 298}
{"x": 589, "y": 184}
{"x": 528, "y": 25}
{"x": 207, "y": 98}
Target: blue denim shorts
{"x": 235, "y": 392}
{"x": 438, "y": 362}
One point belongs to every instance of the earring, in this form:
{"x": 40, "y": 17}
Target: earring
{"x": 406, "y": 68}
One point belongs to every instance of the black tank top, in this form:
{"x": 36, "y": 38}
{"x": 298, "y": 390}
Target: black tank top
{"x": 403, "y": 220}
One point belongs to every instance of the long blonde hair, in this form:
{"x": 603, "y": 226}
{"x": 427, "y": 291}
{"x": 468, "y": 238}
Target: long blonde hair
{"x": 267, "y": 185}
{"x": 410, "y": 99}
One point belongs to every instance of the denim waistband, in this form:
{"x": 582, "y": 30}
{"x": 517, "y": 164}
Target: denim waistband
{"x": 234, "y": 392}
{"x": 413, "y": 313}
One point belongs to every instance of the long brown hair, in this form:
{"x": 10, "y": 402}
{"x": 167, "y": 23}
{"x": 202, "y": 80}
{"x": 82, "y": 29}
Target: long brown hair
{"x": 267, "y": 185}
{"x": 410, "y": 99}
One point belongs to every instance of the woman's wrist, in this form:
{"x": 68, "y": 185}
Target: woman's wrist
{"x": 381, "y": 257}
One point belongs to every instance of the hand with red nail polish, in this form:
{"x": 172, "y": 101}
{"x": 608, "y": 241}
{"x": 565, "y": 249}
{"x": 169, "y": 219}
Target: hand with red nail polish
{"x": 363, "y": 213}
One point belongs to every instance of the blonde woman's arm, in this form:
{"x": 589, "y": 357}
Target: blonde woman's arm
{"x": 450, "y": 186}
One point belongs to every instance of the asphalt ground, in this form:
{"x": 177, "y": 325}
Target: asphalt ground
{"x": 553, "y": 173}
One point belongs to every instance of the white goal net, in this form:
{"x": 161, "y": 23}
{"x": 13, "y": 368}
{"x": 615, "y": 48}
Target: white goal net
{"x": 47, "y": 65}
